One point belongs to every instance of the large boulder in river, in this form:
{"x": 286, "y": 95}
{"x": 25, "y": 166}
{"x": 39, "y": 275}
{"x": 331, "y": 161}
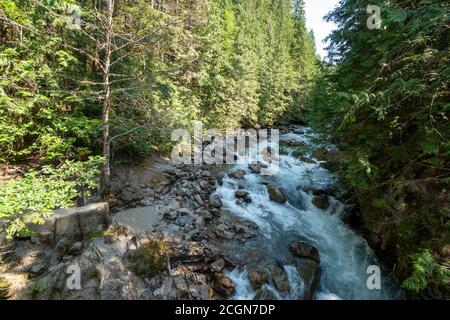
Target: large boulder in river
{"x": 254, "y": 168}
{"x": 309, "y": 271}
{"x": 321, "y": 202}
{"x": 239, "y": 174}
{"x": 276, "y": 194}
{"x": 258, "y": 276}
{"x": 302, "y": 249}
{"x": 280, "y": 279}
{"x": 265, "y": 294}
{"x": 223, "y": 285}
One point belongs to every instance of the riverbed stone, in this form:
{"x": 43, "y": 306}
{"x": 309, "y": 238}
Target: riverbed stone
{"x": 280, "y": 279}
{"x": 309, "y": 271}
{"x": 264, "y": 294}
{"x": 238, "y": 174}
{"x": 223, "y": 285}
{"x": 217, "y": 266}
{"x": 222, "y": 231}
{"x": 276, "y": 194}
{"x": 241, "y": 194}
{"x": 302, "y": 249}
{"x": 321, "y": 201}
{"x": 254, "y": 168}
{"x": 258, "y": 276}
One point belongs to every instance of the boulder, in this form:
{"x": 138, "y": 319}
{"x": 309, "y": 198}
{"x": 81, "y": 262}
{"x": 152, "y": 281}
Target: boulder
{"x": 309, "y": 271}
{"x": 302, "y": 249}
{"x": 276, "y": 195}
{"x": 258, "y": 276}
{"x": 318, "y": 192}
{"x": 254, "y": 168}
{"x": 222, "y": 231}
{"x": 74, "y": 222}
{"x": 104, "y": 275}
{"x": 241, "y": 194}
{"x": 223, "y": 285}
{"x": 280, "y": 279}
{"x": 130, "y": 195}
{"x": 321, "y": 201}
{"x": 217, "y": 266}
{"x": 181, "y": 192}
{"x": 265, "y": 294}
{"x": 239, "y": 174}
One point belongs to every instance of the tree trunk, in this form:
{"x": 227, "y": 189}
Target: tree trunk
{"x": 106, "y": 172}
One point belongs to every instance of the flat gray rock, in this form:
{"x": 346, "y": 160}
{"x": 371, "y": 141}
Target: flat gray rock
{"x": 139, "y": 219}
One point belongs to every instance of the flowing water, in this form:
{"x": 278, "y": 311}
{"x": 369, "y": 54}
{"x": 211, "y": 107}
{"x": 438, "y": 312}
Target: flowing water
{"x": 345, "y": 255}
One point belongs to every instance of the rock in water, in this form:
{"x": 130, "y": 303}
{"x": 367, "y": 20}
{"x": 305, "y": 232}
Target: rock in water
{"x": 241, "y": 194}
{"x": 276, "y": 195}
{"x": 254, "y": 168}
{"x": 265, "y": 294}
{"x": 309, "y": 271}
{"x": 258, "y": 276}
{"x": 223, "y": 285}
{"x": 321, "y": 201}
{"x": 279, "y": 278}
{"x": 239, "y": 174}
{"x": 304, "y": 250}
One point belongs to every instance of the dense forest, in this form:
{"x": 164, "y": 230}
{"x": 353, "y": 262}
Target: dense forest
{"x": 385, "y": 100}
{"x": 87, "y": 84}
{"x": 118, "y": 83}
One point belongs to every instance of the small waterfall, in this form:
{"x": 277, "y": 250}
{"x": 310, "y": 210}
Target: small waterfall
{"x": 345, "y": 255}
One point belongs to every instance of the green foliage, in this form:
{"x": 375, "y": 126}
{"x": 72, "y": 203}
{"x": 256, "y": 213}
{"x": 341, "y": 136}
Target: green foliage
{"x": 425, "y": 269}
{"x": 227, "y": 63}
{"x": 383, "y": 98}
{"x": 150, "y": 258}
{"x": 38, "y": 109}
{"x": 37, "y": 287}
{"x": 29, "y": 200}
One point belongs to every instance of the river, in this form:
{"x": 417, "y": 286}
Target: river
{"x": 345, "y": 254}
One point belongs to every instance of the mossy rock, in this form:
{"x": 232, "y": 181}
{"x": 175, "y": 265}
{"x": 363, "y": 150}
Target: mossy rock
{"x": 5, "y": 289}
{"x": 149, "y": 259}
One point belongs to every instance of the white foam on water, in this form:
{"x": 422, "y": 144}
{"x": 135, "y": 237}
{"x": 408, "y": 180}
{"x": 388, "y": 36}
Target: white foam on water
{"x": 244, "y": 290}
{"x": 345, "y": 255}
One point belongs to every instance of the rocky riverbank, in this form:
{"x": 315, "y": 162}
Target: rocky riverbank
{"x": 204, "y": 232}
{"x": 167, "y": 237}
